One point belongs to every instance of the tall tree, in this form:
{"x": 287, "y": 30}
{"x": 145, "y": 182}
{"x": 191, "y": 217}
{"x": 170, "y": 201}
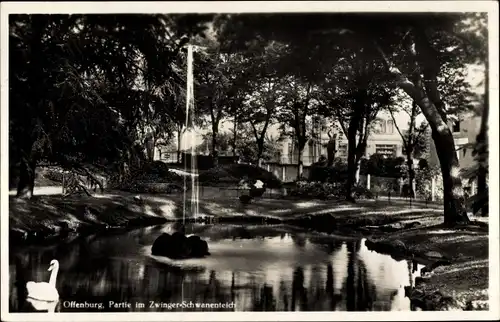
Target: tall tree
{"x": 249, "y": 151}
{"x": 224, "y": 142}
{"x": 73, "y": 93}
{"x": 353, "y": 93}
{"x": 427, "y": 50}
{"x": 237, "y": 112}
{"x": 420, "y": 45}
{"x": 476, "y": 38}
{"x": 300, "y": 94}
{"x": 214, "y": 77}
{"x": 295, "y": 114}
{"x": 263, "y": 89}
{"x": 259, "y": 109}
{"x": 413, "y": 48}
{"x": 413, "y": 138}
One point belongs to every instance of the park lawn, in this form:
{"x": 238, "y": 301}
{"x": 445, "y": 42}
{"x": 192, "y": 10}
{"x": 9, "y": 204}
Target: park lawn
{"x": 466, "y": 277}
{"x": 53, "y": 213}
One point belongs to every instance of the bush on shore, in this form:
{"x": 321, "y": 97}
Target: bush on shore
{"x": 152, "y": 177}
{"x": 232, "y": 174}
{"x": 326, "y": 190}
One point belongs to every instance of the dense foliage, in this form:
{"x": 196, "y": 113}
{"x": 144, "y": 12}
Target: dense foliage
{"x": 233, "y": 174}
{"x": 109, "y": 89}
{"x": 91, "y": 89}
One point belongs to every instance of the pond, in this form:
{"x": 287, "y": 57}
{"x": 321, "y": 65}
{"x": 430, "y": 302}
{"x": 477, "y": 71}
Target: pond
{"x": 251, "y": 268}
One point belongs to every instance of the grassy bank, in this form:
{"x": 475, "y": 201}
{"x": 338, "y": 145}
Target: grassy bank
{"x": 456, "y": 259}
{"x": 52, "y": 214}
{"x": 456, "y": 273}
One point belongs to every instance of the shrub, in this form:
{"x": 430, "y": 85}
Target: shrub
{"x": 384, "y": 185}
{"x": 216, "y": 176}
{"x": 327, "y": 190}
{"x": 257, "y": 192}
{"x": 335, "y": 173}
{"x": 378, "y": 165}
{"x": 152, "y": 177}
{"x": 245, "y": 199}
{"x": 152, "y": 187}
{"x": 48, "y": 176}
{"x": 423, "y": 178}
{"x": 240, "y": 170}
{"x": 54, "y": 175}
{"x": 232, "y": 174}
{"x": 156, "y": 171}
{"x": 361, "y": 192}
{"x": 320, "y": 190}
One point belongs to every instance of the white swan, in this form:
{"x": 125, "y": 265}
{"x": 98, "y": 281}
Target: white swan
{"x": 44, "y": 291}
{"x": 38, "y": 305}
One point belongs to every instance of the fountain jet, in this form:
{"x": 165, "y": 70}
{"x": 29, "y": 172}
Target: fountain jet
{"x": 179, "y": 245}
{"x": 189, "y": 129}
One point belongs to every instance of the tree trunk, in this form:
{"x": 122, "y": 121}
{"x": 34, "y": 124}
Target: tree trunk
{"x": 454, "y": 209}
{"x": 330, "y": 150}
{"x": 355, "y": 150}
{"x": 351, "y": 167}
{"x": 35, "y": 95}
{"x": 260, "y": 152}
{"x": 432, "y": 106}
{"x": 300, "y": 166}
{"x": 26, "y": 182}
{"x": 150, "y": 149}
{"x": 482, "y": 142}
{"x": 215, "y": 153}
{"x": 411, "y": 171}
{"x": 430, "y": 103}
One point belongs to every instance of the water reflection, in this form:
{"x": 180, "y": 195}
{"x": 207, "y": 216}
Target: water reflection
{"x": 270, "y": 269}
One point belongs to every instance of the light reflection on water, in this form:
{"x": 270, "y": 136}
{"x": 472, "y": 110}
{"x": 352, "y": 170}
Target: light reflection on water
{"x": 258, "y": 268}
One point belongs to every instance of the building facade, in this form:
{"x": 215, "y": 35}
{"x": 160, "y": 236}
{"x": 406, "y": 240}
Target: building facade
{"x": 383, "y": 139}
{"x": 464, "y": 132}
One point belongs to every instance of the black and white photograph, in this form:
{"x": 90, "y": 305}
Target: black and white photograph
{"x": 265, "y": 160}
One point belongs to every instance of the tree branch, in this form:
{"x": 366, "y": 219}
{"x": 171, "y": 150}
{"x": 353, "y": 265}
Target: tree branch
{"x": 341, "y": 121}
{"x": 254, "y": 129}
{"x": 421, "y": 131}
{"x": 397, "y": 128}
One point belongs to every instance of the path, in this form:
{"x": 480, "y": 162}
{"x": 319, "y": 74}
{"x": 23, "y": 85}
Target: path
{"x": 49, "y": 190}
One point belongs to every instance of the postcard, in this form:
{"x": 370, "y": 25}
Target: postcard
{"x": 291, "y": 160}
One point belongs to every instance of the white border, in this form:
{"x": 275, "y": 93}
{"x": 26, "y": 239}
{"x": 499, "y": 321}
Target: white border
{"x": 254, "y": 6}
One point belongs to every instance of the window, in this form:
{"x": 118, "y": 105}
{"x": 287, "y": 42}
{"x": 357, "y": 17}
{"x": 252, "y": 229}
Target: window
{"x": 456, "y": 127}
{"x": 390, "y": 127}
{"x": 388, "y": 150}
{"x": 379, "y": 126}
{"x": 342, "y": 150}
